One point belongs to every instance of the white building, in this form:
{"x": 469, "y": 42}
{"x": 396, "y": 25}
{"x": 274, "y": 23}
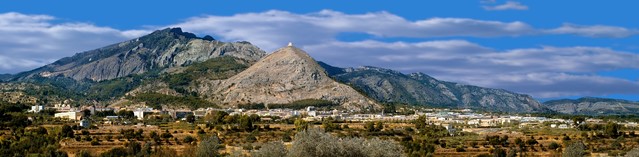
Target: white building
{"x": 140, "y": 112}
{"x": 36, "y": 108}
{"x": 71, "y": 115}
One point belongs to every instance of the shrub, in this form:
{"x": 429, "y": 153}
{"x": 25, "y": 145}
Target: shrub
{"x": 460, "y": 149}
{"x": 273, "y": 149}
{"x": 83, "y": 153}
{"x": 188, "y": 139}
{"x": 286, "y": 138}
{"x": 208, "y": 147}
{"x": 95, "y": 142}
{"x": 553, "y": 145}
{"x": 314, "y": 142}
{"x": 576, "y": 149}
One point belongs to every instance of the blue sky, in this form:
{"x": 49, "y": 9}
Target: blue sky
{"x": 548, "y": 49}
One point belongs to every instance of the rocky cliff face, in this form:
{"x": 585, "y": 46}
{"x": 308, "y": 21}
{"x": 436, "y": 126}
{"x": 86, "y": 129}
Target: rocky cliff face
{"x": 420, "y": 89}
{"x": 286, "y": 75}
{"x": 159, "y": 50}
{"x": 594, "y": 106}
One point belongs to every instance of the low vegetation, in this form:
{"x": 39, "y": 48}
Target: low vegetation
{"x": 156, "y": 100}
{"x": 300, "y": 104}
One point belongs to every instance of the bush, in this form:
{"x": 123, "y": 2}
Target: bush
{"x": 286, "y": 138}
{"x": 632, "y": 153}
{"x": 116, "y": 152}
{"x": 460, "y": 149}
{"x": 314, "y": 142}
{"x": 188, "y": 139}
{"x": 156, "y": 100}
{"x": 473, "y": 144}
{"x": 166, "y": 135}
{"x": 95, "y": 142}
{"x": 83, "y": 153}
{"x": 553, "y": 146}
{"x": 67, "y": 131}
{"x": 208, "y": 147}
{"x": 251, "y": 138}
{"x": 576, "y": 149}
{"x": 273, "y": 149}
{"x": 87, "y": 138}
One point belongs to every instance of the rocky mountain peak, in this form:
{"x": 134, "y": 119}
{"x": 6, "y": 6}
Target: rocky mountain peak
{"x": 174, "y": 33}
{"x": 286, "y": 75}
{"x": 162, "y": 49}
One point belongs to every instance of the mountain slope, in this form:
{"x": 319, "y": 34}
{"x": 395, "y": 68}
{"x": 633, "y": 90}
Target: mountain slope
{"x": 420, "y": 89}
{"x": 159, "y": 50}
{"x": 288, "y": 74}
{"x": 594, "y": 106}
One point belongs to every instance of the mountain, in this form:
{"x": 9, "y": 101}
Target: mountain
{"x": 289, "y": 74}
{"x": 594, "y": 106}
{"x": 160, "y": 50}
{"x": 178, "y": 66}
{"x": 390, "y": 86}
{"x": 4, "y": 77}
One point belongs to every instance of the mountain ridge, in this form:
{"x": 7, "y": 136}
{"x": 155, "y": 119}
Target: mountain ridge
{"x": 594, "y": 106}
{"x": 390, "y": 86}
{"x": 161, "y": 49}
{"x": 178, "y": 63}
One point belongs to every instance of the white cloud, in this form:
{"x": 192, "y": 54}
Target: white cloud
{"x": 542, "y": 72}
{"x": 509, "y": 5}
{"x": 30, "y": 41}
{"x": 595, "y": 31}
{"x": 272, "y": 28}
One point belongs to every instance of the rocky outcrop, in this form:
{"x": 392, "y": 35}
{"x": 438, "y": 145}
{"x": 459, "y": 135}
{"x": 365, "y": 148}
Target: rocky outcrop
{"x": 594, "y": 106}
{"x": 420, "y": 89}
{"x": 159, "y": 50}
{"x": 288, "y": 74}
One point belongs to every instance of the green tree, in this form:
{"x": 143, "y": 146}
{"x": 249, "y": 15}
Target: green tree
{"x": 190, "y": 118}
{"x": 612, "y": 130}
{"x": 420, "y": 122}
{"x": 126, "y": 114}
{"x": 188, "y": 139}
{"x": 67, "y": 131}
{"x": 531, "y": 141}
{"x": 499, "y": 152}
{"x": 300, "y": 124}
{"x": 370, "y": 126}
{"x": 246, "y": 123}
{"x": 166, "y": 134}
{"x": 553, "y": 146}
{"x": 83, "y": 153}
{"x": 379, "y": 126}
{"x": 519, "y": 142}
{"x": 86, "y": 113}
{"x": 217, "y": 117}
{"x": 328, "y": 125}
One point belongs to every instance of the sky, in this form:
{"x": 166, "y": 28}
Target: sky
{"x": 547, "y": 49}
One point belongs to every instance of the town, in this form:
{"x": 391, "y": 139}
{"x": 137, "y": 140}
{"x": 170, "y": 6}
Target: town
{"x": 453, "y": 120}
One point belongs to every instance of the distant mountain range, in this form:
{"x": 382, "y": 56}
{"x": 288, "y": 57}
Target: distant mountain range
{"x": 390, "y": 86}
{"x": 594, "y": 106}
{"x": 182, "y": 69}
